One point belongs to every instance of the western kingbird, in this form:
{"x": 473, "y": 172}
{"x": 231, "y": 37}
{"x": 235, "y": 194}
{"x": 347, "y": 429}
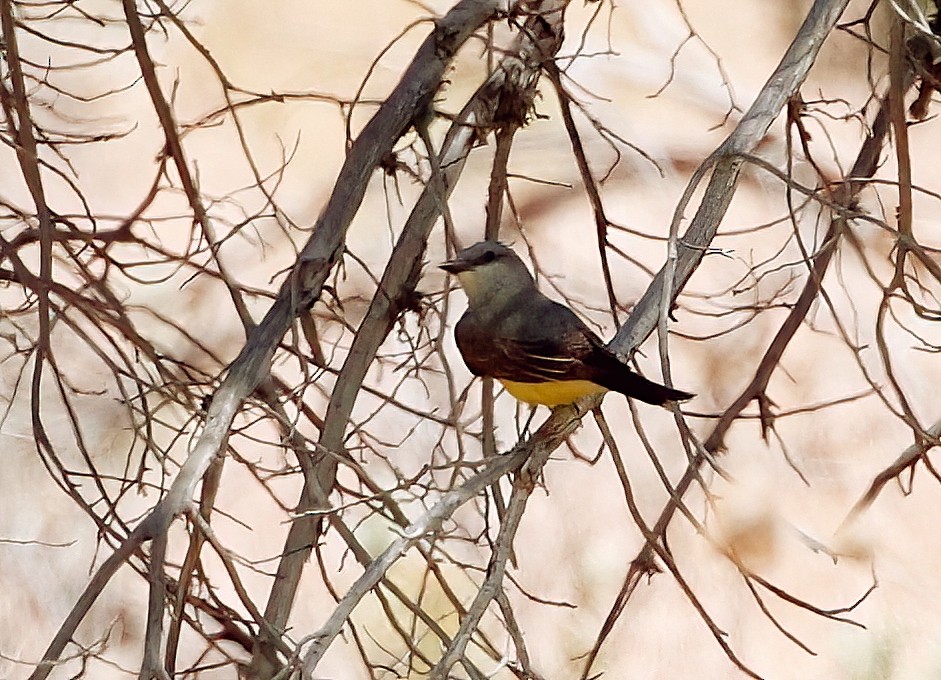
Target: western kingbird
{"x": 539, "y": 349}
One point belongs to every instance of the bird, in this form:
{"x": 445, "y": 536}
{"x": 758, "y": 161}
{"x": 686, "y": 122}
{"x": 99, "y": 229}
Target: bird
{"x": 539, "y": 349}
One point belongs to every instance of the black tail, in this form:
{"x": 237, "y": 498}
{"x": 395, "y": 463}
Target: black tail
{"x": 618, "y": 377}
{"x": 638, "y": 387}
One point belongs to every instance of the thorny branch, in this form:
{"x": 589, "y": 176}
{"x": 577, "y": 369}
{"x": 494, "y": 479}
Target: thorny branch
{"x": 67, "y": 272}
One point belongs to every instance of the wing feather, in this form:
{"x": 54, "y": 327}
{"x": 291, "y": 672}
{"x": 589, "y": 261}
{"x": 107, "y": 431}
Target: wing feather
{"x": 549, "y": 343}
{"x": 549, "y": 349}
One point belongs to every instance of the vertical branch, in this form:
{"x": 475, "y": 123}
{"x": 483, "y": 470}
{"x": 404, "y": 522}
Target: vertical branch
{"x": 864, "y": 167}
{"x": 207, "y": 501}
{"x": 174, "y": 148}
{"x": 588, "y": 180}
{"x": 512, "y": 82}
{"x": 523, "y": 487}
{"x": 20, "y": 123}
{"x": 900, "y": 78}
{"x": 498, "y": 188}
{"x": 409, "y": 98}
{"x": 151, "y": 666}
{"x": 496, "y": 192}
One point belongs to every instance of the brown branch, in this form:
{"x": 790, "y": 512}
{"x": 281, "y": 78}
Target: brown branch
{"x": 174, "y": 146}
{"x": 512, "y": 81}
{"x": 588, "y": 180}
{"x": 725, "y": 163}
{"x": 561, "y": 426}
{"x": 907, "y": 459}
{"x": 411, "y": 97}
{"x": 865, "y": 165}
{"x": 657, "y": 545}
{"x": 523, "y": 487}
{"x": 207, "y": 501}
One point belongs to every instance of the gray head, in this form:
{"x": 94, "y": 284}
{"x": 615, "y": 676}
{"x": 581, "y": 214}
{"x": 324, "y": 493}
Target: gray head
{"x": 489, "y": 272}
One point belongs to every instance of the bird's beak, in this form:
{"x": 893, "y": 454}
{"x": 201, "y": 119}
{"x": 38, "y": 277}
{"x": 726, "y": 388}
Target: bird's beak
{"x": 455, "y": 266}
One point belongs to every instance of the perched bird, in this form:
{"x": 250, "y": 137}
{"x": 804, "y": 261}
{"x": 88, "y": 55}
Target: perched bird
{"x": 539, "y": 349}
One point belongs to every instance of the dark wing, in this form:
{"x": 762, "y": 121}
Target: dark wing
{"x": 598, "y": 364}
{"x": 516, "y": 353}
{"x": 549, "y": 342}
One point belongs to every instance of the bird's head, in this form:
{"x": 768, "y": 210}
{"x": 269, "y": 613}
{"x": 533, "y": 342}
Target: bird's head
{"x": 489, "y": 271}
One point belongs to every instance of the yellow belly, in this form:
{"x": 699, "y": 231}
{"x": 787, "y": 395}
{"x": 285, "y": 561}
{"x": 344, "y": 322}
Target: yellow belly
{"x": 553, "y": 393}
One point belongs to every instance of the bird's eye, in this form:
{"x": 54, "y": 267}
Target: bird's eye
{"x": 488, "y": 256}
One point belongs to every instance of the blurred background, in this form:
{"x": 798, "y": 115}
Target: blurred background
{"x": 672, "y": 80}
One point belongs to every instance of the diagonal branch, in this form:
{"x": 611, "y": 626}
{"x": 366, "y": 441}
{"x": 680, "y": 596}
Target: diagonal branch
{"x": 502, "y": 99}
{"x": 556, "y": 428}
{"x": 408, "y": 100}
{"x": 865, "y": 166}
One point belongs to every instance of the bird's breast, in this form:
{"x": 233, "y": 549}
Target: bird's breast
{"x": 552, "y": 393}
